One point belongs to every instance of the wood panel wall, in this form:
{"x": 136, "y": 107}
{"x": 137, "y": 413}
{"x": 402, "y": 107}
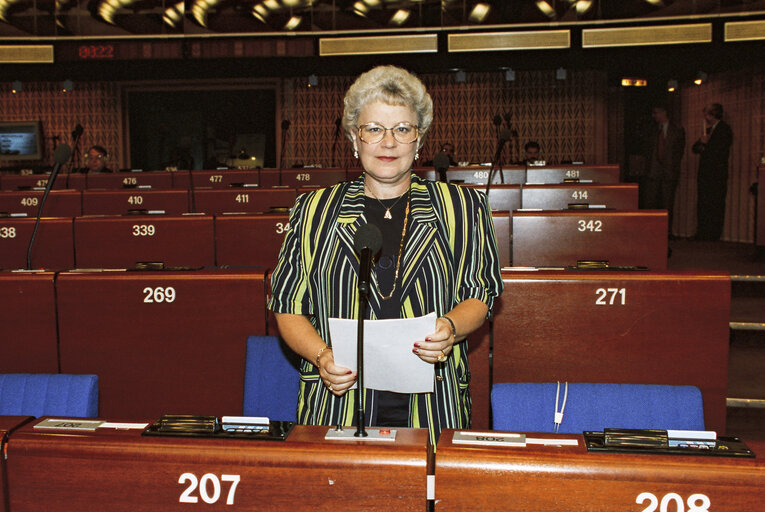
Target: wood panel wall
{"x": 579, "y": 118}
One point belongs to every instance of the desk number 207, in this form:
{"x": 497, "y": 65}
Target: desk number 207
{"x": 209, "y": 488}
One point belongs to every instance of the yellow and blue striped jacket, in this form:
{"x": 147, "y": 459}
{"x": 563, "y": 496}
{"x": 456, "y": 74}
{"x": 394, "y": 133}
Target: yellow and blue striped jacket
{"x": 450, "y": 255}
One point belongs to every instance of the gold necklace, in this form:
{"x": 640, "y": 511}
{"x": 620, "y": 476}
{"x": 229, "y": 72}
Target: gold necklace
{"x": 388, "y": 215}
{"x": 398, "y": 259}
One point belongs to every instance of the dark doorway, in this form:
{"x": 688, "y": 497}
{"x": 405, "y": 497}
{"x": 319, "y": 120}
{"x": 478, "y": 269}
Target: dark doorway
{"x": 201, "y": 129}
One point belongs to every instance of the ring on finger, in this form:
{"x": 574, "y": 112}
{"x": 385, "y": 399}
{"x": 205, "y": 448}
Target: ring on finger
{"x": 442, "y": 357}
{"x": 329, "y": 386}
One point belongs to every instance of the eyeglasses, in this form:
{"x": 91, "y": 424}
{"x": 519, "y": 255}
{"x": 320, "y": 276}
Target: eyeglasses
{"x": 372, "y": 133}
{"x": 94, "y": 157}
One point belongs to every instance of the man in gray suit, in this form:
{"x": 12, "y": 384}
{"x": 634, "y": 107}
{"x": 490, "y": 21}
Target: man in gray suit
{"x": 666, "y": 146}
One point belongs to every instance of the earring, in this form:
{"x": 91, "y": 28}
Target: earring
{"x": 355, "y": 153}
{"x": 417, "y": 154}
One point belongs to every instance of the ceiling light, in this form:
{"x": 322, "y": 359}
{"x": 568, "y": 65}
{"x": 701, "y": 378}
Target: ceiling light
{"x": 634, "y": 82}
{"x": 479, "y": 12}
{"x": 582, "y": 6}
{"x": 291, "y": 3}
{"x": 460, "y": 76}
{"x": 671, "y": 85}
{"x": 546, "y": 9}
{"x": 16, "y": 86}
{"x": 701, "y": 77}
{"x": 560, "y": 74}
{"x": 293, "y": 23}
{"x": 360, "y": 8}
{"x": 510, "y": 75}
{"x": 313, "y": 80}
{"x": 400, "y": 17}
{"x": 272, "y": 5}
{"x": 67, "y": 86}
{"x": 657, "y": 3}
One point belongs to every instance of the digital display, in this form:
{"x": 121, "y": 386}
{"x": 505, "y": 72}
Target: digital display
{"x": 20, "y": 141}
{"x": 96, "y": 51}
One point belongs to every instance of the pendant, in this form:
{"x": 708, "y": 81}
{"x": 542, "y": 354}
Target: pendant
{"x": 388, "y": 215}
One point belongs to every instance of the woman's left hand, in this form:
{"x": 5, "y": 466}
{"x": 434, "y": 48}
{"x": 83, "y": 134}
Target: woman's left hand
{"x": 436, "y": 346}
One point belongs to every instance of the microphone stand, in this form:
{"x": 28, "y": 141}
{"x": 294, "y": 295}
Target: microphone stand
{"x": 76, "y": 135}
{"x": 363, "y": 303}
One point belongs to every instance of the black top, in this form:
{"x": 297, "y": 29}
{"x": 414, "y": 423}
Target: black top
{"x": 392, "y": 408}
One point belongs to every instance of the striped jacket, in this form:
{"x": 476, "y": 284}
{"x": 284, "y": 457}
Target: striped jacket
{"x": 450, "y": 255}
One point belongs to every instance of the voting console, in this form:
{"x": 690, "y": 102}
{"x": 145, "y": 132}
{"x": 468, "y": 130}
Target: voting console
{"x": 544, "y": 477}
{"x": 160, "y": 342}
{"x": 242, "y": 200}
{"x": 120, "y": 470}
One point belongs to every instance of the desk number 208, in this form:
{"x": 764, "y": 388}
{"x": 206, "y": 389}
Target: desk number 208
{"x": 696, "y": 502}
{"x": 209, "y": 488}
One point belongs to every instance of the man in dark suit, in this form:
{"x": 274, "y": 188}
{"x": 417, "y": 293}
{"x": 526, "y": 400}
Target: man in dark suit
{"x": 713, "y": 149}
{"x": 665, "y": 151}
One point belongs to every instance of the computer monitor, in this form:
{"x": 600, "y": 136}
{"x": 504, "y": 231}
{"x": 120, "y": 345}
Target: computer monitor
{"x": 21, "y": 140}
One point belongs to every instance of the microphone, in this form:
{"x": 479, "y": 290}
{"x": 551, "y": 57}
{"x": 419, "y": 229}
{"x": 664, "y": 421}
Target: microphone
{"x": 367, "y": 243}
{"x": 441, "y": 164}
{"x": 60, "y": 156}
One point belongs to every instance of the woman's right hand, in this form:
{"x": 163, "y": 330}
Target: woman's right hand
{"x": 337, "y": 379}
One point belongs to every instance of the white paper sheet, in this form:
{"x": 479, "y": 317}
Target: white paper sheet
{"x": 389, "y": 363}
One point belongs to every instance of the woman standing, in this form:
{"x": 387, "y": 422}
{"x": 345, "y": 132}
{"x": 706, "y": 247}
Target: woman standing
{"x": 439, "y": 254}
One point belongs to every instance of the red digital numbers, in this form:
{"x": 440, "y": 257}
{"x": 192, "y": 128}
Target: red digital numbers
{"x": 96, "y": 51}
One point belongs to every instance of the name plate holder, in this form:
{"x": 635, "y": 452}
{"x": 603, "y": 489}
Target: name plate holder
{"x": 660, "y": 445}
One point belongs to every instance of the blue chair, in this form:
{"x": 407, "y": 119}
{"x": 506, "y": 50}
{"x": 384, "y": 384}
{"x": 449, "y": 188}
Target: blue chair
{"x": 271, "y": 379}
{"x": 46, "y": 394}
{"x": 530, "y": 407}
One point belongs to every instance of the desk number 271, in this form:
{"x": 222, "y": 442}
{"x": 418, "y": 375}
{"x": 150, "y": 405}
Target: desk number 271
{"x": 611, "y": 296}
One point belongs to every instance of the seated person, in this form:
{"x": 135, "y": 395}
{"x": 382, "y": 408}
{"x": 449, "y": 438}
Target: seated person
{"x": 95, "y": 160}
{"x": 448, "y": 149}
{"x": 532, "y": 153}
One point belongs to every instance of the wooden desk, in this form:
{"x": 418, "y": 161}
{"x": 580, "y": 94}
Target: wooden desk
{"x": 7, "y": 425}
{"x": 118, "y": 202}
{"x": 243, "y": 200}
{"x": 129, "y": 180}
{"x": 53, "y": 247}
{"x": 15, "y": 182}
{"x": 502, "y": 197}
{"x": 551, "y": 174}
{"x": 502, "y": 230}
{"x": 60, "y": 203}
{"x": 123, "y": 241}
{"x": 561, "y": 238}
{"x": 478, "y": 175}
{"x": 75, "y": 181}
{"x": 250, "y": 240}
{"x": 557, "y": 197}
{"x": 619, "y": 327}
{"x": 123, "y": 471}
{"x": 28, "y": 320}
{"x": 302, "y": 177}
{"x": 220, "y": 178}
{"x": 543, "y": 478}
{"x": 161, "y": 342}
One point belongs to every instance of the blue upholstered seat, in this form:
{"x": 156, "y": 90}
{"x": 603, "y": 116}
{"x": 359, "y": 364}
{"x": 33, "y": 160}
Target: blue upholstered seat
{"x": 44, "y": 394}
{"x": 530, "y": 407}
{"x": 271, "y": 379}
